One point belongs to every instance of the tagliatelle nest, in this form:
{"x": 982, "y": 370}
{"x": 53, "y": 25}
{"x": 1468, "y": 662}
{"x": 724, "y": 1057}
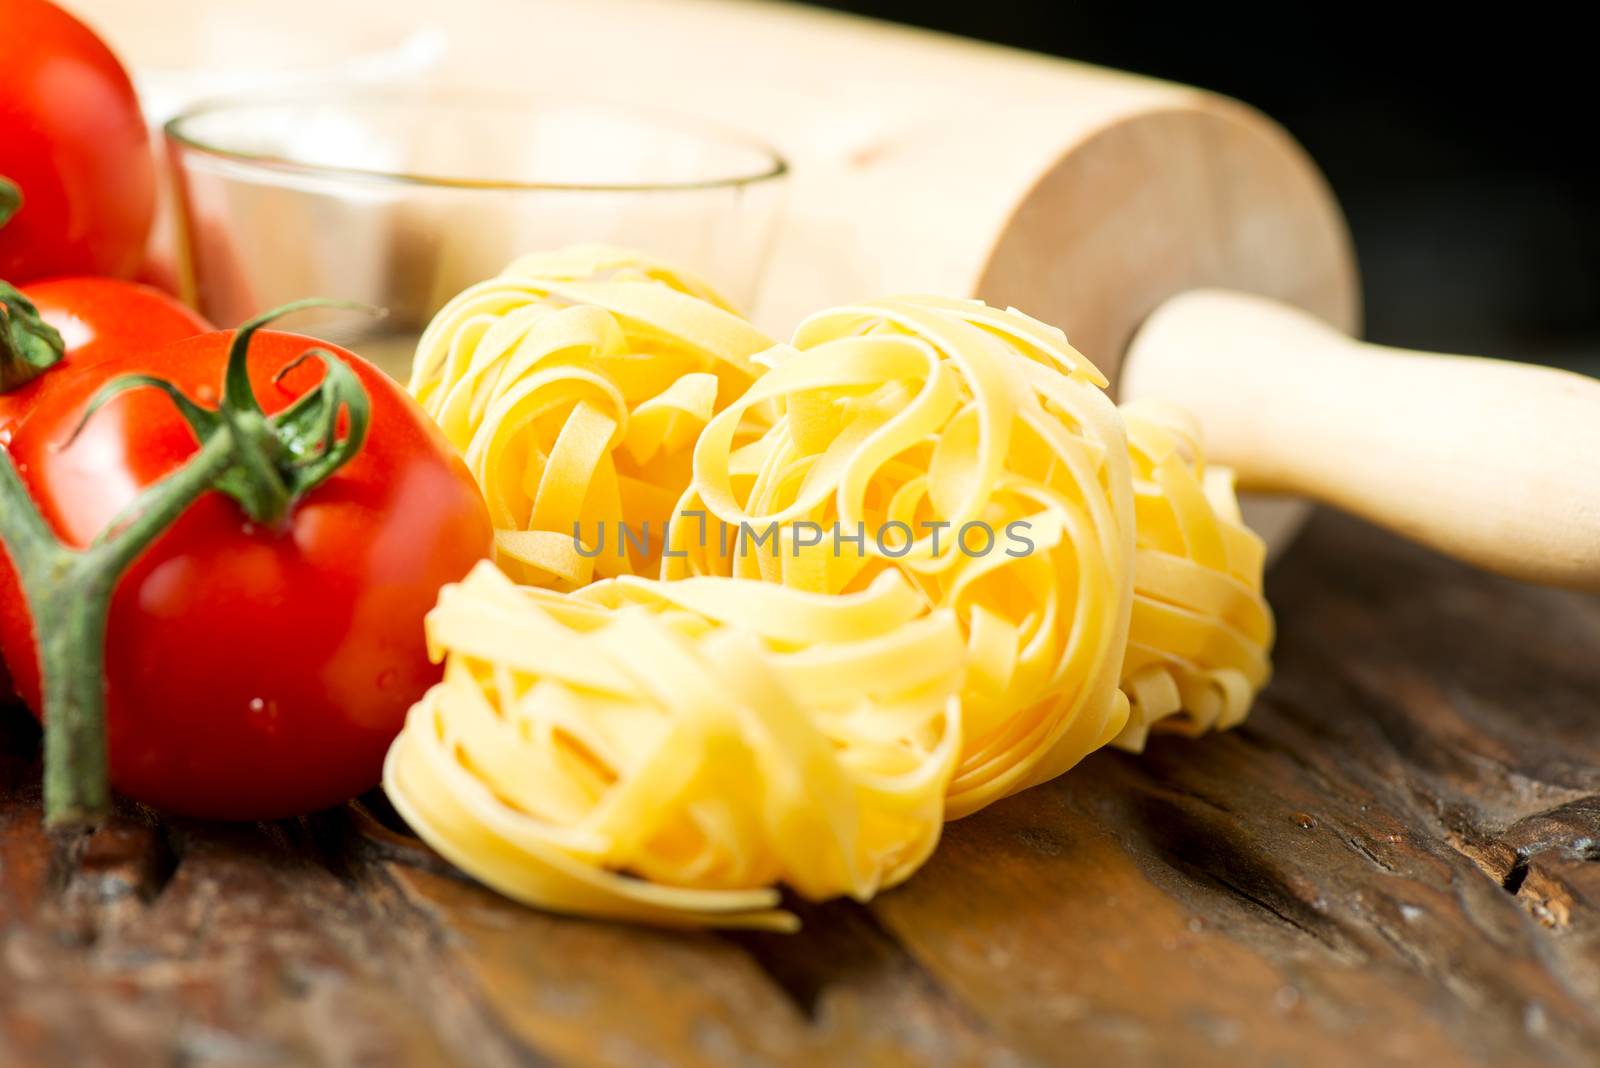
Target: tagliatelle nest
{"x": 946, "y": 415}
{"x": 709, "y": 740}
{"x": 654, "y": 750}
{"x": 575, "y": 384}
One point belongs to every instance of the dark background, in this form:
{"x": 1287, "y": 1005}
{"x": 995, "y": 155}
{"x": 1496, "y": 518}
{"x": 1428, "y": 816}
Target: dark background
{"x": 1461, "y": 145}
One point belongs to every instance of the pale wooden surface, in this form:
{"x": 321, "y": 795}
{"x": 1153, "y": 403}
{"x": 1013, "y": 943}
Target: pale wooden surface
{"x": 1392, "y": 863}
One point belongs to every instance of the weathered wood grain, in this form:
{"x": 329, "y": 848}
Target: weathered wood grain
{"x": 1394, "y": 862}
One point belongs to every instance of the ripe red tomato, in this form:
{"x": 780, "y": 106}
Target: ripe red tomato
{"x": 252, "y": 673}
{"x": 99, "y": 319}
{"x": 73, "y": 141}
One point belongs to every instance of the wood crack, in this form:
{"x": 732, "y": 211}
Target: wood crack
{"x": 1366, "y": 852}
{"x": 1516, "y": 876}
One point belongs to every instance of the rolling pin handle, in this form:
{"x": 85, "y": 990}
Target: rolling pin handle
{"x": 1492, "y": 462}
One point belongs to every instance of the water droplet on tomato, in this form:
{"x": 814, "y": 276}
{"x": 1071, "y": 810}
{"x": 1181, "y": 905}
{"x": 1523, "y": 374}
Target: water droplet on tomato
{"x": 257, "y": 704}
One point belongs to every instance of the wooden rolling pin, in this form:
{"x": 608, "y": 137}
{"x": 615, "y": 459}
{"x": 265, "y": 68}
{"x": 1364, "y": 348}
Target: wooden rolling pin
{"x": 1139, "y": 215}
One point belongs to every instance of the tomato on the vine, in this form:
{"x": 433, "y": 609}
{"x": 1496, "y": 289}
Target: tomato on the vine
{"x": 77, "y": 178}
{"x": 251, "y": 670}
{"x": 98, "y": 319}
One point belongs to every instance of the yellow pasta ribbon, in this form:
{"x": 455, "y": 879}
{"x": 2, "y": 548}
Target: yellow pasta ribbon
{"x": 918, "y": 562}
{"x": 575, "y": 384}
{"x": 708, "y": 740}
{"x": 1201, "y": 629}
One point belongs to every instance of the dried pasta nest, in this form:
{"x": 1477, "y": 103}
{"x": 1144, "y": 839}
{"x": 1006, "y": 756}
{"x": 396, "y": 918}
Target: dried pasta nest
{"x": 669, "y": 752}
{"x": 574, "y": 384}
{"x": 922, "y": 415}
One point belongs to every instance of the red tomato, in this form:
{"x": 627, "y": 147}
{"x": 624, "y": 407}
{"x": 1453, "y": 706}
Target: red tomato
{"x": 252, "y": 673}
{"x": 73, "y": 141}
{"x": 99, "y": 319}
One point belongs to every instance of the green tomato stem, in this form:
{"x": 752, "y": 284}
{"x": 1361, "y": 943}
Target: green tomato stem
{"x": 29, "y": 346}
{"x": 10, "y": 199}
{"x": 72, "y": 623}
{"x": 69, "y": 597}
{"x": 257, "y": 460}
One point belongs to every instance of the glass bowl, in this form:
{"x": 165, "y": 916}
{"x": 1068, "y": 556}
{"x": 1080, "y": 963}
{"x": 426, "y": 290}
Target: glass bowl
{"x": 402, "y": 198}
{"x": 200, "y": 49}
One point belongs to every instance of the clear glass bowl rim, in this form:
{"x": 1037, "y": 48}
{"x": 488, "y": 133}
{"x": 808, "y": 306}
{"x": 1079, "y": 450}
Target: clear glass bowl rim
{"x": 775, "y": 165}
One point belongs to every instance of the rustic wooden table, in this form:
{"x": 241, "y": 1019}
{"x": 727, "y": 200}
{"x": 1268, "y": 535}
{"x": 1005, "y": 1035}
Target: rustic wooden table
{"x": 1393, "y": 862}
